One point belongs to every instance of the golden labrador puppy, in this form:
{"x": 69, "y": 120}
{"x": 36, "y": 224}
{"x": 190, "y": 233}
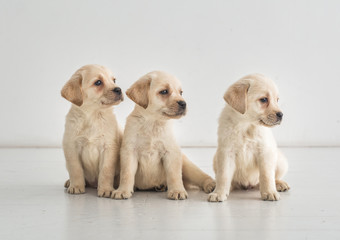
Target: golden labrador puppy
{"x": 247, "y": 154}
{"x": 92, "y": 138}
{"x": 150, "y": 156}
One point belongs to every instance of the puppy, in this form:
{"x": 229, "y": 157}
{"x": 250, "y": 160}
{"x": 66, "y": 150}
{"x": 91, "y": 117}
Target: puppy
{"x": 92, "y": 138}
{"x": 247, "y": 154}
{"x": 150, "y": 156}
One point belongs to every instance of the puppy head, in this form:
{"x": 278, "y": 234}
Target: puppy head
{"x": 256, "y": 97}
{"x": 92, "y": 85}
{"x": 160, "y": 94}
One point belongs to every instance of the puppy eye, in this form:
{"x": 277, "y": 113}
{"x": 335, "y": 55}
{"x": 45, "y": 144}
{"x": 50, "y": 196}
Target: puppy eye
{"x": 98, "y": 83}
{"x": 277, "y": 100}
{"x": 181, "y": 92}
{"x": 264, "y": 100}
{"x": 114, "y": 80}
{"x": 164, "y": 92}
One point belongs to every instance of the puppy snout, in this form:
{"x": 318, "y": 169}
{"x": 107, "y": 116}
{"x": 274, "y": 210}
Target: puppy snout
{"x": 117, "y": 90}
{"x": 182, "y": 104}
{"x": 279, "y": 116}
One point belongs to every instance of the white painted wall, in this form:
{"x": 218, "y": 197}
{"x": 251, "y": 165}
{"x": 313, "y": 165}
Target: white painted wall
{"x": 206, "y": 44}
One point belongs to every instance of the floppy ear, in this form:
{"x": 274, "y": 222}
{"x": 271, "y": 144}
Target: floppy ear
{"x": 236, "y": 96}
{"x": 139, "y": 91}
{"x": 72, "y": 89}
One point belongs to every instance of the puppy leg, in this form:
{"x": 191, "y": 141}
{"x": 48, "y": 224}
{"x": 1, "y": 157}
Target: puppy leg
{"x": 67, "y": 184}
{"x": 193, "y": 175}
{"x": 107, "y": 170}
{"x": 224, "y": 166}
{"x": 281, "y": 169}
{"x": 173, "y": 167}
{"x": 129, "y": 164}
{"x": 76, "y": 183}
{"x": 267, "y": 164}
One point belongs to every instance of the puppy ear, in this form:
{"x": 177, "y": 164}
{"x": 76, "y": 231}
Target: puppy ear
{"x": 72, "y": 89}
{"x": 236, "y": 96}
{"x": 139, "y": 91}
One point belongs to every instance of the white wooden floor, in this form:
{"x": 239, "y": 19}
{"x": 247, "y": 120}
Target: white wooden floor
{"x": 34, "y": 204}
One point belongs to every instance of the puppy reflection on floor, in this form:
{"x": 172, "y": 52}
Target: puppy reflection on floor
{"x": 92, "y": 137}
{"x": 247, "y": 154}
{"x": 150, "y": 156}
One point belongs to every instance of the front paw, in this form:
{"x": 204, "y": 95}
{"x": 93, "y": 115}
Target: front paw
{"x": 121, "y": 194}
{"x": 177, "y": 194}
{"x": 209, "y": 185}
{"x": 104, "y": 192}
{"x": 74, "y": 189}
{"x": 270, "y": 196}
{"x": 281, "y": 186}
{"x": 217, "y": 197}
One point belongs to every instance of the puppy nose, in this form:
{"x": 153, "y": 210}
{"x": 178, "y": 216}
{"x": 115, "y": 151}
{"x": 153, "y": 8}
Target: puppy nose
{"x": 279, "y": 115}
{"x": 117, "y": 90}
{"x": 182, "y": 104}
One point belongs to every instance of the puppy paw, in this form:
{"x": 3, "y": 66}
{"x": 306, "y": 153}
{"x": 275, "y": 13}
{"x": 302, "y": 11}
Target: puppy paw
{"x": 209, "y": 185}
{"x": 177, "y": 194}
{"x": 75, "y": 189}
{"x": 281, "y": 186}
{"x": 104, "y": 192}
{"x": 121, "y": 194}
{"x": 67, "y": 183}
{"x": 161, "y": 188}
{"x": 217, "y": 197}
{"x": 270, "y": 196}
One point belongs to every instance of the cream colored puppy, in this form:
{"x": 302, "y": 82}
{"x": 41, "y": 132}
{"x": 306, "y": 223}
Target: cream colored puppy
{"x": 92, "y": 137}
{"x": 247, "y": 154}
{"x": 150, "y": 156}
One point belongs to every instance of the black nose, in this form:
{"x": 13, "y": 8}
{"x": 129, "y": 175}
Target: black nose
{"x": 182, "y": 104}
{"x": 279, "y": 115}
{"x": 117, "y": 90}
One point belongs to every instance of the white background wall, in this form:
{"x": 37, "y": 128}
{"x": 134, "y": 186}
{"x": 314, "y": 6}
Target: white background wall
{"x": 207, "y": 44}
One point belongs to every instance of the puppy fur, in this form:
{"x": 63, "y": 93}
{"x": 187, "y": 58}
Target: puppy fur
{"x": 92, "y": 138}
{"x": 247, "y": 154}
{"x": 150, "y": 156}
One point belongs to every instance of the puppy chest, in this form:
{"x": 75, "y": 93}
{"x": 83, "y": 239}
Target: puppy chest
{"x": 150, "y": 150}
{"x": 97, "y": 130}
{"x": 247, "y": 171}
{"x": 246, "y": 155}
{"x": 94, "y": 139}
{"x": 150, "y": 160}
{"x": 150, "y": 172}
{"x": 92, "y": 153}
